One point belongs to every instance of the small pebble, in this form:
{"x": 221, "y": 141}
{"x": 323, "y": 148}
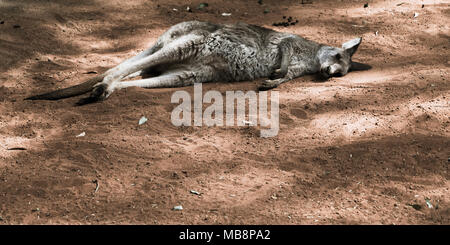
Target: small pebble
{"x": 81, "y": 135}
{"x": 178, "y": 208}
{"x": 429, "y": 205}
{"x": 202, "y": 5}
{"x": 142, "y": 120}
{"x": 195, "y": 192}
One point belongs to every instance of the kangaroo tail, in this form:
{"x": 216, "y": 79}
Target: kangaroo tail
{"x": 70, "y": 91}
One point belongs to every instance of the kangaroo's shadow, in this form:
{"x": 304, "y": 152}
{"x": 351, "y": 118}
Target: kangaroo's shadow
{"x": 357, "y": 66}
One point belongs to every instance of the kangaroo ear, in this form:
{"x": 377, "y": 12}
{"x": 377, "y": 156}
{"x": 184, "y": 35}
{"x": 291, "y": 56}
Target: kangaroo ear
{"x": 351, "y": 46}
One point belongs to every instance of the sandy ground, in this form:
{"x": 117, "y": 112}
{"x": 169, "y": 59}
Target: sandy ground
{"x": 366, "y": 148}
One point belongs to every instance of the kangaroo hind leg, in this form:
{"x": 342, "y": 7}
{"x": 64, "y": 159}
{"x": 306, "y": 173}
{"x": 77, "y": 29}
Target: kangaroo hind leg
{"x": 175, "y": 52}
{"x": 135, "y": 58}
{"x": 173, "y": 79}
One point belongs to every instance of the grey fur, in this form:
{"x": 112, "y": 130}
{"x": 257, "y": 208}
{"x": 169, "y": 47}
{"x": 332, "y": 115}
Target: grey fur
{"x": 197, "y": 52}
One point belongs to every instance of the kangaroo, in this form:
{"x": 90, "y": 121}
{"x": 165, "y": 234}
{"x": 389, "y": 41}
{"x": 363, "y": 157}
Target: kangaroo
{"x": 198, "y": 52}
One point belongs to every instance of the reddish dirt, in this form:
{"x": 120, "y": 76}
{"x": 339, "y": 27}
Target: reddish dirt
{"x": 359, "y": 149}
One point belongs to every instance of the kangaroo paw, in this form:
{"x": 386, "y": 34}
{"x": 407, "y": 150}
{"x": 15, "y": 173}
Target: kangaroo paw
{"x": 267, "y": 85}
{"x": 278, "y": 73}
{"x": 100, "y": 92}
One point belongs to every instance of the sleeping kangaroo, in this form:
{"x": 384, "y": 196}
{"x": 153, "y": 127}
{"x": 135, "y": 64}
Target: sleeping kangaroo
{"x": 198, "y": 52}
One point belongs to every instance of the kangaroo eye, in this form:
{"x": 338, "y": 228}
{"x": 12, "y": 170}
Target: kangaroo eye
{"x": 337, "y": 56}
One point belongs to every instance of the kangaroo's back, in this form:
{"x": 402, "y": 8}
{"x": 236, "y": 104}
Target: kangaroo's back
{"x": 188, "y": 27}
{"x": 246, "y": 51}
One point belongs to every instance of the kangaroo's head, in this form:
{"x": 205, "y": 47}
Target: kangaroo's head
{"x": 337, "y": 61}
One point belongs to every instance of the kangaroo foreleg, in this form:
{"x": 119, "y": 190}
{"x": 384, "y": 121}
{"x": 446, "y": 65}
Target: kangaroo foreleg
{"x": 293, "y": 72}
{"x": 286, "y": 50}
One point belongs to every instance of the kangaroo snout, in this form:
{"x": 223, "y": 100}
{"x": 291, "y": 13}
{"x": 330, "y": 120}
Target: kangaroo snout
{"x": 332, "y": 71}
